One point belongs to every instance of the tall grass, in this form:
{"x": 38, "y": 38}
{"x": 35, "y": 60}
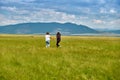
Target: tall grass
{"x": 78, "y": 58}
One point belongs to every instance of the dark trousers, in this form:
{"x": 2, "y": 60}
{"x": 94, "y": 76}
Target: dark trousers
{"x": 57, "y": 43}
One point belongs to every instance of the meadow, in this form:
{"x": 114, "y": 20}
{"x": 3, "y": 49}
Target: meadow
{"x": 78, "y": 58}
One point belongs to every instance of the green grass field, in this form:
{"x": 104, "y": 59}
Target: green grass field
{"x": 78, "y": 58}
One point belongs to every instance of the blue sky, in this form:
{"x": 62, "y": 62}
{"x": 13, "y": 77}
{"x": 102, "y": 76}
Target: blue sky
{"x": 98, "y": 14}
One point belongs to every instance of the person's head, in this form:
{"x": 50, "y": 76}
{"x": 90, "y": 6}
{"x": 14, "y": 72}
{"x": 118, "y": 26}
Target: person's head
{"x": 47, "y": 33}
{"x": 58, "y": 32}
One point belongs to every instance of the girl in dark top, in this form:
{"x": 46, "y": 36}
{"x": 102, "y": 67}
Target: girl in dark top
{"x": 58, "y": 37}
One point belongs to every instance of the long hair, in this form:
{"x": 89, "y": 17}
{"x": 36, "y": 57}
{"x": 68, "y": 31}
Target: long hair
{"x": 58, "y": 35}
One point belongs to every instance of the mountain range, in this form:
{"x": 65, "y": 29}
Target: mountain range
{"x": 42, "y": 28}
{"x": 114, "y": 31}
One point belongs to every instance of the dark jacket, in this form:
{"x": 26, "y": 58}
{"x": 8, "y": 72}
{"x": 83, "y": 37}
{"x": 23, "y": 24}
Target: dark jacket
{"x": 58, "y": 36}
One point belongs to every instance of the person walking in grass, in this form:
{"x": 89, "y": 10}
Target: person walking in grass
{"x": 47, "y": 39}
{"x": 58, "y": 39}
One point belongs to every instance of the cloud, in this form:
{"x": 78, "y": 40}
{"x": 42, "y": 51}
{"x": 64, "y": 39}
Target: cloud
{"x": 14, "y": 10}
{"x": 6, "y": 21}
{"x": 108, "y": 11}
{"x": 103, "y": 10}
{"x": 88, "y": 12}
{"x": 44, "y": 15}
{"x": 51, "y": 15}
{"x": 98, "y": 21}
{"x": 113, "y": 11}
{"x": 9, "y": 8}
{"x": 2, "y": 17}
{"x": 113, "y": 22}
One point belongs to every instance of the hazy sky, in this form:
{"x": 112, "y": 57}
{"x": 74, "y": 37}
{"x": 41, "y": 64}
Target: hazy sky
{"x": 93, "y": 13}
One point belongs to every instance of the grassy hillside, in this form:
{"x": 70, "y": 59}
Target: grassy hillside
{"x": 79, "y": 58}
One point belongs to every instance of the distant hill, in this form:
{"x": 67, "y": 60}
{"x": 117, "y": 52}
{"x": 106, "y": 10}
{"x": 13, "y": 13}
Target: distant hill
{"x": 42, "y": 28}
{"x": 115, "y": 31}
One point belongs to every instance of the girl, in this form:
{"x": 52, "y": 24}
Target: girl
{"x": 47, "y": 39}
{"x": 58, "y": 38}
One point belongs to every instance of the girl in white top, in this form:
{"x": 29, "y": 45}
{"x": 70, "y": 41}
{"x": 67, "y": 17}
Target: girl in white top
{"x": 47, "y": 39}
